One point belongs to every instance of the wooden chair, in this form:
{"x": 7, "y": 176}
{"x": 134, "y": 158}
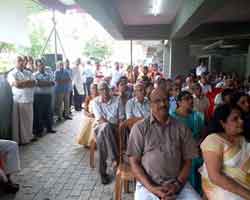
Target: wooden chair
{"x": 92, "y": 153}
{"x": 124, "y": 173}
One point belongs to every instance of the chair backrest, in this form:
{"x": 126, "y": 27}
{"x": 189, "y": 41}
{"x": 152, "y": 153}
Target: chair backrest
{"x": 123, "y": 134}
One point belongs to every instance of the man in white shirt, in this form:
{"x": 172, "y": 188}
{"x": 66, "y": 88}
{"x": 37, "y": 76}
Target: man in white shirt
{"x": 204, "y": 84}
{"x": 78, "y": 88}
{"x": 116, "y": 75}
{"x": 139, "y": 105}
{"x": 108, "y": 111}
{"x": 201, "y": 69}
{"x": 88, "y": 77}
{"x": 22, "y": 83}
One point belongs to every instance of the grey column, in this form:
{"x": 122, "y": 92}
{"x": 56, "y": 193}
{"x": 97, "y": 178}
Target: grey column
{"x": 181, "y": 62}
{"x": 248, "y": 62}
{"x": 166, "y": 61}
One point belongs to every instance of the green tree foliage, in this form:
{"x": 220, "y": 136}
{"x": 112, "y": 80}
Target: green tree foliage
{"x": 5, "y": 47}
{"x": 97, "y": 49}
{"x": 38, "y": 38}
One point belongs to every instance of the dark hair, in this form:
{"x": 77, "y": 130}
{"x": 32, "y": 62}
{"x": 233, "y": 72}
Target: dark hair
{"x": 148, "y": 84}
{"x": 221, "y": 113}
{"x": 237, "y": 97}
{"x": 38, "y": 60}
{"x": 227, "y": 92}
{"x": 122, "y": 78}
{"x": 182, "y": 94}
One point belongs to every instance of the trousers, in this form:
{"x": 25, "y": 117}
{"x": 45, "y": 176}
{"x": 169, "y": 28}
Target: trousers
{"x": 43, "y": 116}
{"x": 62, "y": 104}
{"x": 106, "y": 145}
{"x": 22, "y": 122}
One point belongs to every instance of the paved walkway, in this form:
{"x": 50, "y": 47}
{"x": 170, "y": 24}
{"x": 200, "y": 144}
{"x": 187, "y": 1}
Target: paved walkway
{"x": 56, "y": 168}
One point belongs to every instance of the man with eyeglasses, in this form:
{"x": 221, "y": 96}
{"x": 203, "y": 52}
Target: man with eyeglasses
{"x": 109, "y": 112}
{"x": 138, "y": 106}
{"x": 22, "y": 83}
{"x": 160, "y": 151}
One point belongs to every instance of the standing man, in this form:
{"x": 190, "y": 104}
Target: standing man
{"x": 88, "y": 77}
{"x": 160, "y": 151}
{"x": 116, "y": 74}
{"x": 108, "y": 111}
{"x": 70, "y": 86}
{"x": 78, "y": 88}
{"x": 43, "y": 115}
{"x": 62, "y": 80}
{"x": 22, "y": 83}
{"x": 200, "y": 69}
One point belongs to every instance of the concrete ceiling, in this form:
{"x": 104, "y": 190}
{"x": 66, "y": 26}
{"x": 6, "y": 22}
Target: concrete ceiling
{"x": 132, "y": 19}
{"x": 139, "y": 12}
{"x": 232, "y": 11}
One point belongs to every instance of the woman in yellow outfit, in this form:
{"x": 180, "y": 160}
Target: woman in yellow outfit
{"x": 226, "y": 170}
{"x": 86, "y": 134}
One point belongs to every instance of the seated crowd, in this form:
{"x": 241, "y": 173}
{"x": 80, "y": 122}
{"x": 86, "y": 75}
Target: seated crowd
{"x": 191, "y": 141}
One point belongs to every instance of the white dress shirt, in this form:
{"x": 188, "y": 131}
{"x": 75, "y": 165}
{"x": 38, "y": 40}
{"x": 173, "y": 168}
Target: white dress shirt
{"x": 77, "y": 73}
{"x": 136, "y": 109}
{"x": 112, "y": 111}
{"x": 21, "y": 95}
{"x": 200, "y": 70}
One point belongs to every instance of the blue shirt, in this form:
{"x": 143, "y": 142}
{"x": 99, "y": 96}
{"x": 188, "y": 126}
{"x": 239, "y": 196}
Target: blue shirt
{"x": 61, "y": 74}
{"x": 46, "y": 75}
{"x": 70, "y": 71}
{"x": 172, "y": 104}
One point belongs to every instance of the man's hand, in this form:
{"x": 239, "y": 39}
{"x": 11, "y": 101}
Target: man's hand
{"x": 159, "y": 191}
{"x": 172, "y": 189}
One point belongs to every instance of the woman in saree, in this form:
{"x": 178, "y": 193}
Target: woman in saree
{"x": 196, "y": 122}
{"x": 86, "y": 134}
{"x": 226, "y": 169}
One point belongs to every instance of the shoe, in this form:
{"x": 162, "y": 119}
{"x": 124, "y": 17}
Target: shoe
{"x": 34, "y": 139}
{"x": 51, "y": 131}
{"x": 105, "y": 179}
{"x": 59, "y": 119}
{"x": 10, "y": 188}
{"x": 67, "y": 117}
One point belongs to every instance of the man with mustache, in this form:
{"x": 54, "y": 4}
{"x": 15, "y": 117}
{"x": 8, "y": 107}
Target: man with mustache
{"x": 109, "y": 112}
{"x": 160, "y": 151}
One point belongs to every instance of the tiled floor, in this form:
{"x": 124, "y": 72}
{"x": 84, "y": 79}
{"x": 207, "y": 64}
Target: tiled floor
{"x": 56, "y": 168}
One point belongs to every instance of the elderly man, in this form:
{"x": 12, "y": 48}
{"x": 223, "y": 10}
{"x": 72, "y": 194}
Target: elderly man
{"x": 10, "y": 154}
{"x": 22, "y": 83}
{"x": 160, "y": 151}
{"x": 78, "y": 89}
{"x": 43, "y": 115}
{"x": 139, "y": 105}
{"x": 108, "y": 111}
